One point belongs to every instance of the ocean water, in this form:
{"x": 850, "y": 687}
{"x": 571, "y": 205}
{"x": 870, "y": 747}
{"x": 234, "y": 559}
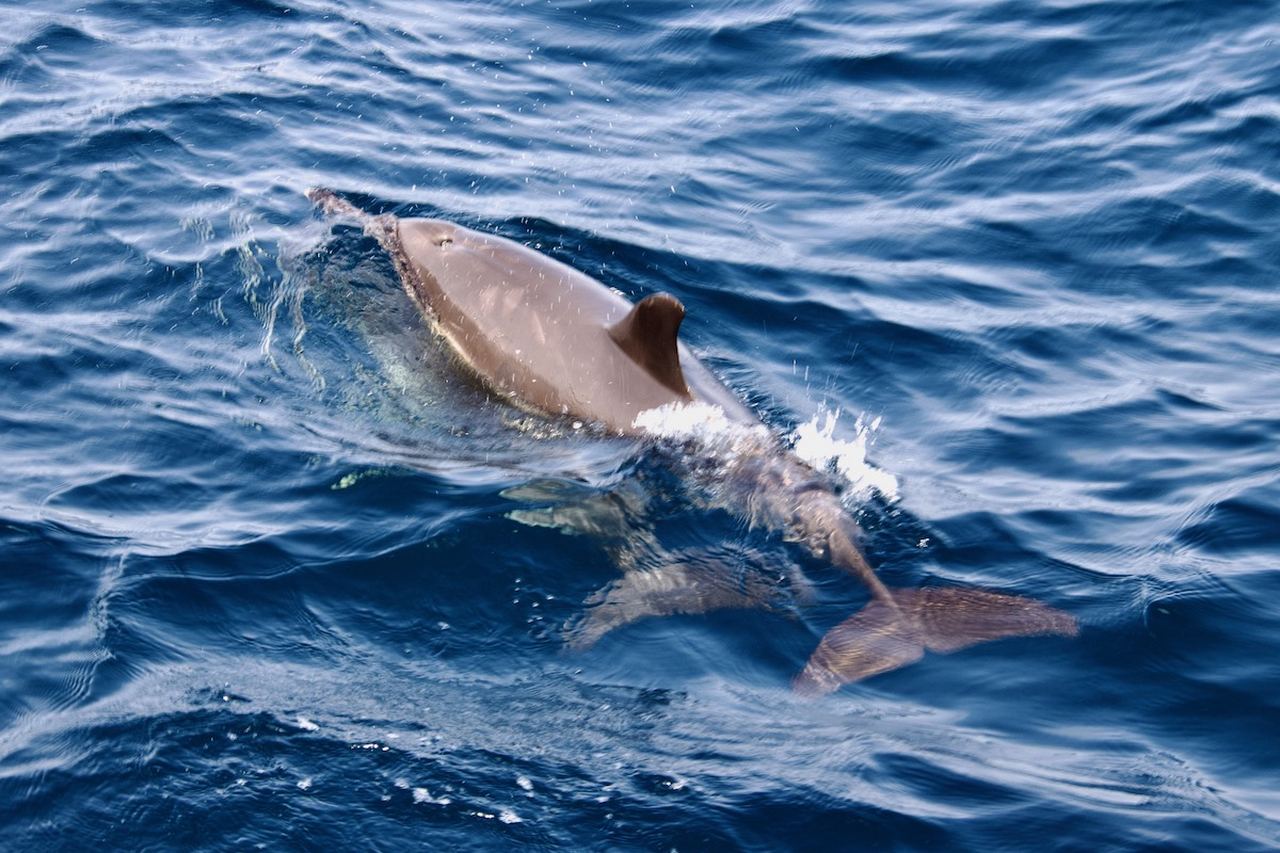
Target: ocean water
{"x": 275, "y": 573}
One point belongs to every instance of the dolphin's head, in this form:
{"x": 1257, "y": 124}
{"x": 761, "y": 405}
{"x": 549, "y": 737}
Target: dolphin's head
{"x": 427, "y": 238}
{"x": 458, "y": 259}
{"x": 453, "y": 255}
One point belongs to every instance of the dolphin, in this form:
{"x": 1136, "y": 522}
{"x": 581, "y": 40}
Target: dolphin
{"x": 550, "y": 338}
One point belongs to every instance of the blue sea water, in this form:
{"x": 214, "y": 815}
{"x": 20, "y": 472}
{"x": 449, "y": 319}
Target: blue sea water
{"x": 266, "y": 576}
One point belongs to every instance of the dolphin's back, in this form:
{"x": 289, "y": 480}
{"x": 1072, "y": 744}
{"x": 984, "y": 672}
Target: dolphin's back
{"x": 547, "y": 335}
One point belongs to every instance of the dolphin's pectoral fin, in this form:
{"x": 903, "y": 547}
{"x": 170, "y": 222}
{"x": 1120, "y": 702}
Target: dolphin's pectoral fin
{"x": 578, "y": 510}
{"x": 885, "y": 635}
{"x": 588, "y": 518}
{"x": 648, "y": 334}
{"x": 689, "y": 584}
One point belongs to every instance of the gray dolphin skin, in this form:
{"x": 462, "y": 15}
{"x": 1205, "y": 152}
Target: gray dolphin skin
{"x": 550, "y": 338}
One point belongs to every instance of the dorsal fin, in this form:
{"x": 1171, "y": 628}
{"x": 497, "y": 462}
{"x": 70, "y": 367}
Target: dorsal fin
{"x": 648, "y": 335}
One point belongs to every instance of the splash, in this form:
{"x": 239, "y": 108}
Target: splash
{"x": 685, "y": 421}
{"x": 815, "y": 442}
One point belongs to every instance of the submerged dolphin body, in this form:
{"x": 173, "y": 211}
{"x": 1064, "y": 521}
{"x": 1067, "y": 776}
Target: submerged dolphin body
{"x": 550, "y": 338}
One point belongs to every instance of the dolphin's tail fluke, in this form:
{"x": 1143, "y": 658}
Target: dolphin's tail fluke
{"x": 886, "y": 635}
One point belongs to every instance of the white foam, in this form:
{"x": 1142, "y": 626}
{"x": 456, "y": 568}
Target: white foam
{"x": 422, "y": 795}
{"x": 815, "y": 442}
{"x": 686, "y": 421}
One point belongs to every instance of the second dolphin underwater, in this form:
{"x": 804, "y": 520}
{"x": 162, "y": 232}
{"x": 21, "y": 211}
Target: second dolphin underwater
{"x": 551, "y": 338}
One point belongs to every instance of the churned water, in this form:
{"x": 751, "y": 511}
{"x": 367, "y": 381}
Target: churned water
{"x": 275, "y": 573}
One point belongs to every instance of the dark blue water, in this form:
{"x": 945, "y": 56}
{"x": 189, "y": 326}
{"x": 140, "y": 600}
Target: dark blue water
{"x": 267, "y": 571}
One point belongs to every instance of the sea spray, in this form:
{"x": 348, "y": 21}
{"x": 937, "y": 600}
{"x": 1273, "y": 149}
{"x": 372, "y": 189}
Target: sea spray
{"x": 816, "y": 441}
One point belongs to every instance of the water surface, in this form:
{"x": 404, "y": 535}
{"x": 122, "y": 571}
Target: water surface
{"x": 265, "y": 579}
